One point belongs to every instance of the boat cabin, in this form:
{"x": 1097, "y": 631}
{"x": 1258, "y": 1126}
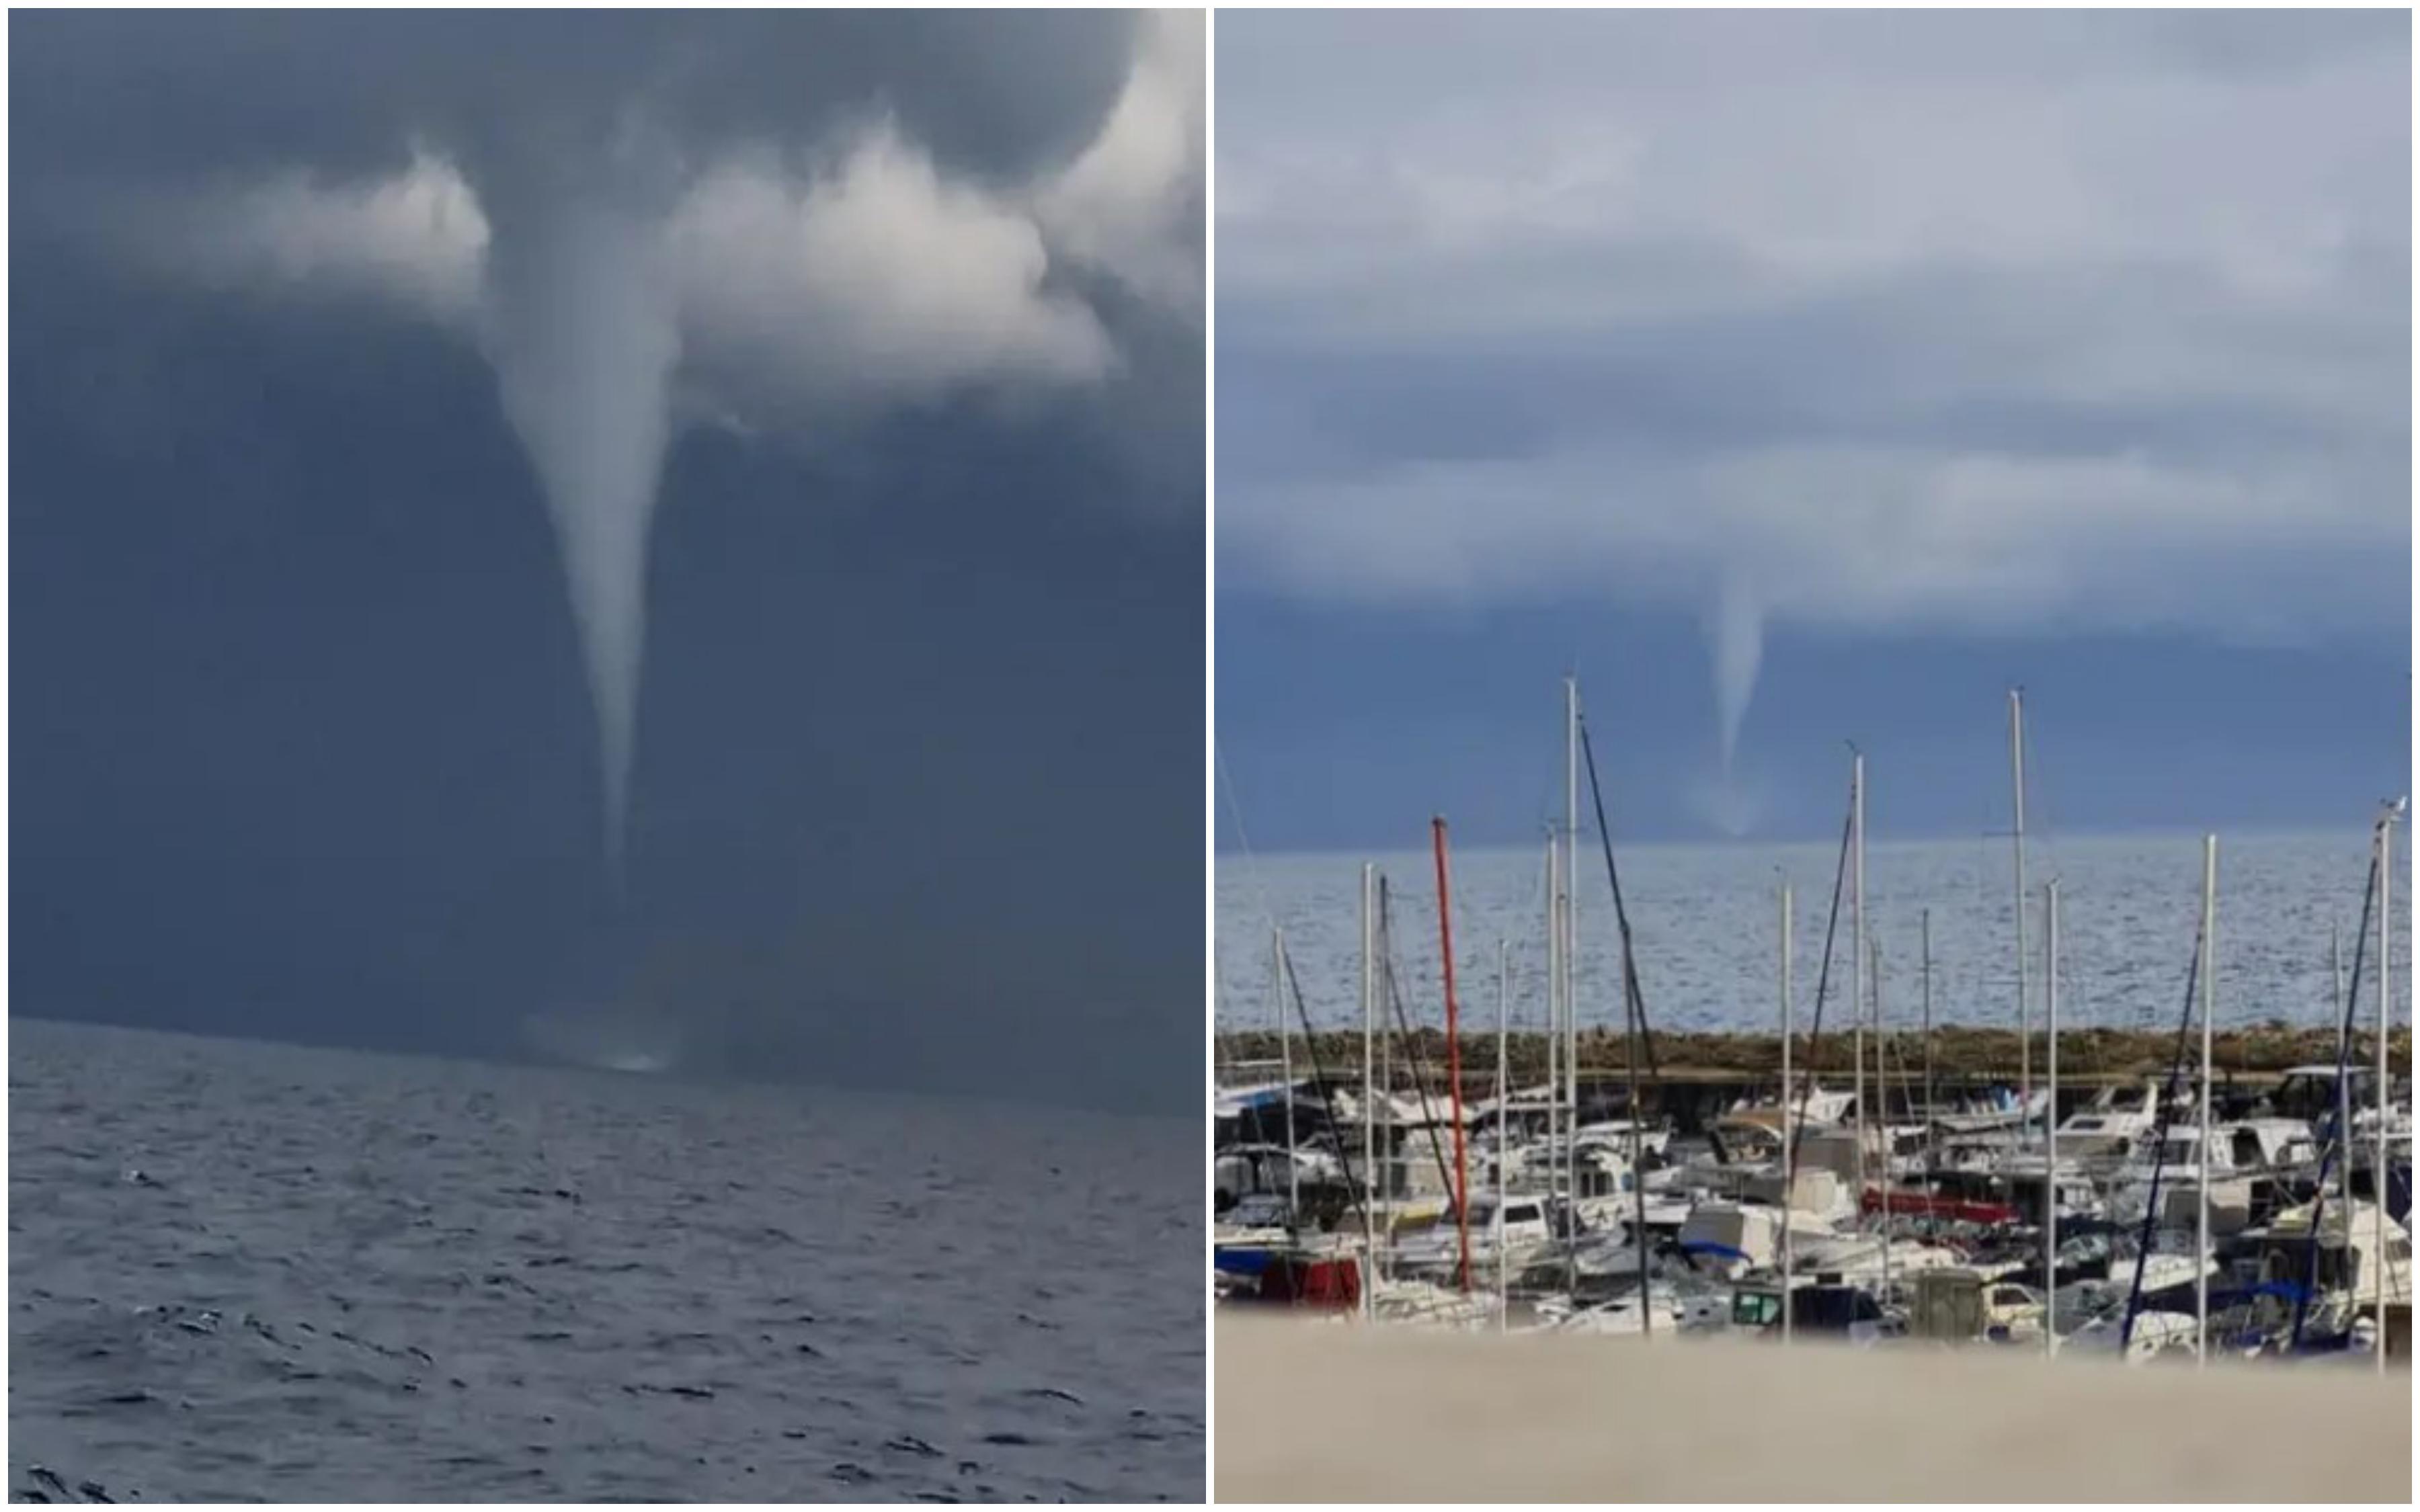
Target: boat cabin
{"x": 1956, "y": 1304}
{"x": 2309, "y": 1093}
{"x": 1818, "y": 1304}
{"x": 2113, "y": 1122}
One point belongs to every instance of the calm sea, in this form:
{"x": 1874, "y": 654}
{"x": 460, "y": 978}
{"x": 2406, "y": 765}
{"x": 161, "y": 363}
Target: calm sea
{"x": 1705, "y": 920}
{"x": 239, "y": 1270}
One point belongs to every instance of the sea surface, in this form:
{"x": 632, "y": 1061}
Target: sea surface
{"x": 250, "y": 1271}
{"x": 1706, "y": 924}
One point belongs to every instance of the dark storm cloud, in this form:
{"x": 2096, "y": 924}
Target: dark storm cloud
{"x": 301, "y": 743}
{"x": 179, "y": 95}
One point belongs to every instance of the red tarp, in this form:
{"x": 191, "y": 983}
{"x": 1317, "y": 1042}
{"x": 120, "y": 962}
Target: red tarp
{"x": 1320, "y": 1282}
{"x": 1953, "y": 1210}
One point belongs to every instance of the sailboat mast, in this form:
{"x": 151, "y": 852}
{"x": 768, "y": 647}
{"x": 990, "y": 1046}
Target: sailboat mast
{"x": 1369, "y": 1098}
{"x": 2208, "y": 1006}
{"x": 1285, "y": 1058}
{"x": 2344, "y": 1039}
{"x": 1635, "y": 1041}
{"x": 1858, "y": 954}
{"x": 2379, "y": 1172}
{"x": 1931, "y": 1110}
{"x": 1571, "y": 950}
{"x": 1789, "y": 1192}
{"x": 1453, "y": 1054}
{"x": 1882, "y": 1099}
{"x": 2049, "y": 1123}
{"x": 2025, "y": 1019}
{"x": 1554, "y": 999}
{"x": 1503, "y": 1092}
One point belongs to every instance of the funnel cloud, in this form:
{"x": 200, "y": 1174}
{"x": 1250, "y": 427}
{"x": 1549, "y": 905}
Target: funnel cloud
{"x": 1738, "y": 635}
{"x": 1735, "y": 638}
{"x": 584, "y": 334}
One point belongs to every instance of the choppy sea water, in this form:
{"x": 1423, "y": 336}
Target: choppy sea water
{"x": 1706, "y": 922}
{"x": 242, "y": 1272}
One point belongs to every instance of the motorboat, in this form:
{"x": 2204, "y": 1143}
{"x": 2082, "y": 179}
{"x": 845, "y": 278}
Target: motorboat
{"x": 1508, "y": 1234}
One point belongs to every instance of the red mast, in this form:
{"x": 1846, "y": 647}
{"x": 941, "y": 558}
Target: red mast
{"x": 1453, "y": 1051}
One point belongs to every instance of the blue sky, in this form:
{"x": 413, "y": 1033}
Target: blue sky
{"x": 1817, "y": 376}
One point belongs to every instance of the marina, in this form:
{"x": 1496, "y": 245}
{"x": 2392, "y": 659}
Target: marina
{"x": 1856, "y": 1173}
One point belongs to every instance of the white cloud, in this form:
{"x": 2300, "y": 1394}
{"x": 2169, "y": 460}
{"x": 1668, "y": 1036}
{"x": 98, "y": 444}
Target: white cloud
{"x": 1125, "y": 204}
{"x": 847, "y": 274}
{"x": 1861, "y": 536}
{"x": 875, "y": 277}
{"x": 417, "y": 236}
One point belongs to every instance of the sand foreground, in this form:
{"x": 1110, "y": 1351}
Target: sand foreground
{"x": 1328, "y": 1413}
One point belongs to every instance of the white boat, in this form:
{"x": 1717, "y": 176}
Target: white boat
{"x": 1240, "y": 1170}
{"x": 1745, "y": 1234}
{"x": 2090, "y": 1316}
{"x": 1672, "y": 1310}
{"x": 1259, "y": 1218}
{"x": 2111, "y": 1124}
{"x": 1423, "y": 1302}
{"x": 2241, "y": 1156}
{"x": 1986, "y": 1115}
{"x": 1520, "y": 1228}
{"x": 2347, "y": 1263}
{"x": 1616, "y": 1135}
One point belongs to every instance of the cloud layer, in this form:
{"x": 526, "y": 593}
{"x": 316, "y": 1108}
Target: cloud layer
{"x": 835, "y": 269}
{"x": 1978, "y": 322}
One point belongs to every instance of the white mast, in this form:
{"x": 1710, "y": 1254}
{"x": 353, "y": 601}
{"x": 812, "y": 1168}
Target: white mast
{"x": 1503, "y": 1094}
{"x": 1285, "y": 1057}
{"x": 1369, "y": 1099}
{"x": 2025, "y": 1019}
{"x": 1882, "y": 1101}
{"x": 2050, "y": 1122}
{"x": 2379, "y": 1172}
{"x": 2208, "y": 1008}
{"x": 1930, "y": 1113}
{"x": 1788, "y": 1116}
{"x": 1554, "y": 1001}
{"x": 1571, "y": 945}
{"x": 2344, "y": 1041}
{"x": 1858, "y": 954}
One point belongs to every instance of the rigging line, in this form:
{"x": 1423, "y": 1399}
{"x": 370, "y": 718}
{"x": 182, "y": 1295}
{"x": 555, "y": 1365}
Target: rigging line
{"x": 1251, "y": 880}
{"x": 1542, "y": 896}
{"x": 1318, "y": 1073}
{"x": 1243, "y": 841}
{"x": 2339, "y": 1137}
{"x": 1633, "y": 998}
{"x": 1796, "y": 1127}
{"x": 2042, "y": 833}
{"x": 2160, "y": 1126}
{"x": 1884, "y": 1050}
{"x": 1635, "y": 1023}
{"x": 1403, "y": 1022}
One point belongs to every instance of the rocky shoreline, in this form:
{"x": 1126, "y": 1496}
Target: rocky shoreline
{"x": 1959, "y": 1052}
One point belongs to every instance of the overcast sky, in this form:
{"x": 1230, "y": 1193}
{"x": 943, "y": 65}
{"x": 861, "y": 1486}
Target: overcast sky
{"x": 1813, "y": 375}
{"x": 462, "y": 461}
